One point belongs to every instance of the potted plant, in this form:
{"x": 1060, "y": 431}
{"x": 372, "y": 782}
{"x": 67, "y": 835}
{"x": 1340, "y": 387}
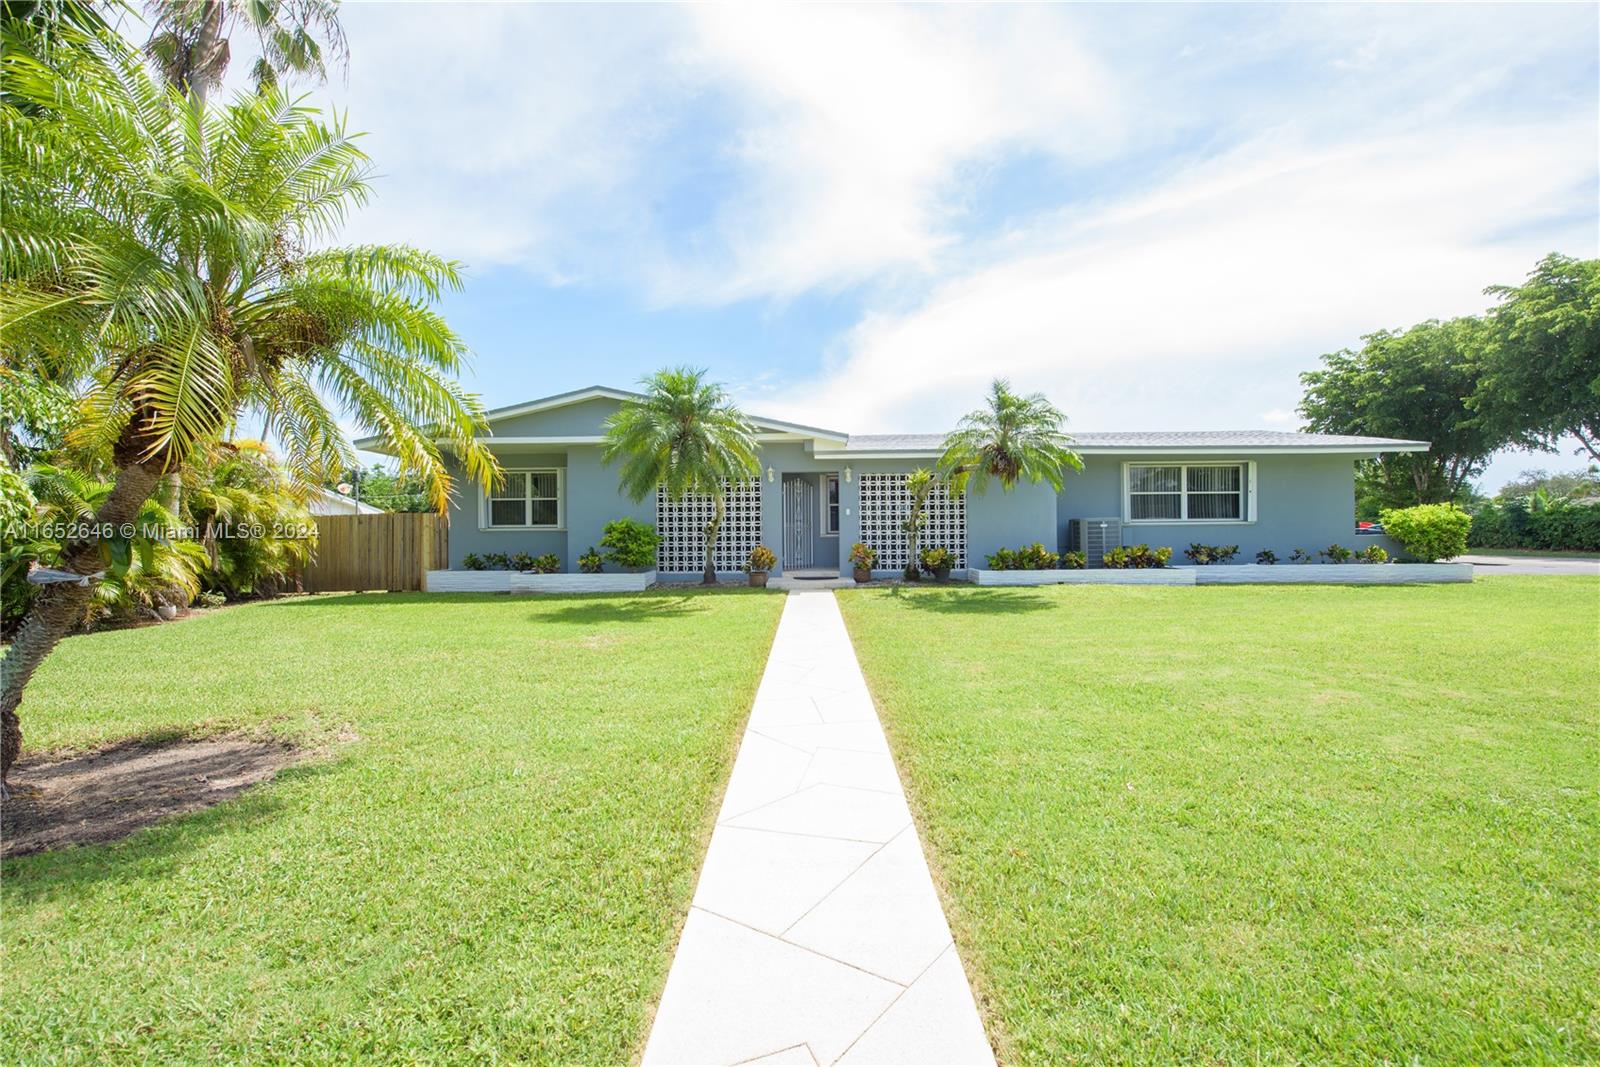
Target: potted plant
{"x": 862, "y": 559}
{"x": 759, "y": 565}
{"x": 937, "y": 561}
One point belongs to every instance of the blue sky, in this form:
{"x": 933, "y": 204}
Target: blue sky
{"x": 1157, "y": 214}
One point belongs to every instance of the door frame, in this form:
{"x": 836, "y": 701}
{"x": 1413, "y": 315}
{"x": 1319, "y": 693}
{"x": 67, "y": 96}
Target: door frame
{"x": 801, "y": 519}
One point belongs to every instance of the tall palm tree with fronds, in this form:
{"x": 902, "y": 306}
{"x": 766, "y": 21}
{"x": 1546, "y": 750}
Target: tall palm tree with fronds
{"x": 177, "y": 273}
{"x": 683, "y": 438}
{"x": 1011, "y": 438}
{"x": 190, "y": 41}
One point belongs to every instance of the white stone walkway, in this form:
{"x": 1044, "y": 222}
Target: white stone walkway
{"x": 815, "y": 936}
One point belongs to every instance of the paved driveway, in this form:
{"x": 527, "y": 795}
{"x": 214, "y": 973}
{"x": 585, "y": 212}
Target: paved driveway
{"x": 1532, "y": 564}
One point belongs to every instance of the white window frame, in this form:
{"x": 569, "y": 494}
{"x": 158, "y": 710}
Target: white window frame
{"x": 824, "y": 531}
{"x": 1248, "y": 483}
{"x": 561, "y": 501}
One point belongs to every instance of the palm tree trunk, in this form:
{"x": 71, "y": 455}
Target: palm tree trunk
{"x": 197, "y": 75}
{"x": 914, "y": 523}
{"x": 58, "y": 606}
{"x": 717, "y": 515}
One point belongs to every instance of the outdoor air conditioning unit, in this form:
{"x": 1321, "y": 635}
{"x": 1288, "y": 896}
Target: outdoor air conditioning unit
{"x": 1094, "y": 538}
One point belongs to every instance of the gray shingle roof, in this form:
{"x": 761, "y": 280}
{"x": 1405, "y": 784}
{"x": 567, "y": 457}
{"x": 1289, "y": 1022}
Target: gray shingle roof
{"x": 1178, "y": 440}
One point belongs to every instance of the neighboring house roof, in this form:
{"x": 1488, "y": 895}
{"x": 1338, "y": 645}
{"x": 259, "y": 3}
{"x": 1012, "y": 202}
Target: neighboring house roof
{"x": 328, "y": 502}
{"x": 834, "y": 443}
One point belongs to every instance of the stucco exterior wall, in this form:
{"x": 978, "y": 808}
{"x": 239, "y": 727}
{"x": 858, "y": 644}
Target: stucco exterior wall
{"x": 1302, "y": 501}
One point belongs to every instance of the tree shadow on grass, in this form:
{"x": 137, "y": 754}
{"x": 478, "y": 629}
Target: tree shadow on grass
{"x": 972, "y": 601}
{"x": 152, "y": 850}
{"x": 633, "y": 607}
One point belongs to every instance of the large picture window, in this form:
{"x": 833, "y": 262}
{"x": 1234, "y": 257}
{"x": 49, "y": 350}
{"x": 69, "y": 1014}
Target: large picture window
{"x": 1188, "y": 492}
{"x": 528, "y": 499}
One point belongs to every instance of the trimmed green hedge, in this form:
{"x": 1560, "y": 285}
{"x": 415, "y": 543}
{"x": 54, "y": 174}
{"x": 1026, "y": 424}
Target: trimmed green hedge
{"x": 1429, "y": 531}
{"x": 1557, "y": 525}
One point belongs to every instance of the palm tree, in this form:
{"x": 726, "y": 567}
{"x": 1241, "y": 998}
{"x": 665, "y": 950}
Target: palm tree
{"x": 189, "y": 40}
{"x": 684, "y": 438}
{"x": 177, "y": 273}
{"x": 1011, "y": 437}
{"x": 920, "y": 484}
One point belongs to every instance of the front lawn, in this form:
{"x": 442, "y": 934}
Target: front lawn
{"x": 490, "y": 862}
{"x": 1257, "y": 824}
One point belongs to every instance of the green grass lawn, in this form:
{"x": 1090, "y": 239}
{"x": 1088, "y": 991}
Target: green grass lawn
{"x": 1255, "y": 824}
{"x": 494, "y": 867}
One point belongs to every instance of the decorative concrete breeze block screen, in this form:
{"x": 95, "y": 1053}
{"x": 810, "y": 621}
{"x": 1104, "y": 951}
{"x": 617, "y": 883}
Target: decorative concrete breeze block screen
{"x": 682, "y": 526}
{"x": 884, "y": 507}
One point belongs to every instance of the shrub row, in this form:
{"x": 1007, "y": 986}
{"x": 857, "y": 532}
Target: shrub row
{"x": 1035, "y": 557}
{"x": 549, "y": 563}
{"x": 1554, "y": 525}
{"x": 1139, "y": 557}
{"x": 628, "y": 543}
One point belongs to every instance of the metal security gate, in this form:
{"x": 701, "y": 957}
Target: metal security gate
{"x": 800, "y": 511}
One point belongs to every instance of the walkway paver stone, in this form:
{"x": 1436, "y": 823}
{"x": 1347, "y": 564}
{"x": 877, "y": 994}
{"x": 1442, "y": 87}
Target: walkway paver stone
{"x": 815, "y": 935}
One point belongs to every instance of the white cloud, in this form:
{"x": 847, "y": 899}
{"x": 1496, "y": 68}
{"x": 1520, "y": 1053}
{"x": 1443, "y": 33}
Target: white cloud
{"x": 566, "y": 140}
{"x": 1196, "y": 303}
{"x": 853, "y": 120}
{"x": 1226, "y": 192}
{"x": 505, "y": 134}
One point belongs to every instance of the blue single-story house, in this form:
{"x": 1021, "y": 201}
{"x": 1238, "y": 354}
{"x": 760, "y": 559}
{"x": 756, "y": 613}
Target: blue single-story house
{"x": 819, "y": 491}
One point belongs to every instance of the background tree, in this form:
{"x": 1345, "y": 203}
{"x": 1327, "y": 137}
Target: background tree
{"x": 384, "y": 488}
{"x": 687, "y": 438}
{"x": 167, "y": 264}
{"x": 189, "y": 44}
{"x": 1541, "y": 357}
{"x": 1412, "y": 384}
{"x": 1557, "y": 485}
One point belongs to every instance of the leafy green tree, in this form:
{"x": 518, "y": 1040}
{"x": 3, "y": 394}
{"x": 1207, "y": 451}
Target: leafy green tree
{"x": 385, "y": 488}
{"x": 181, "y": 271}
{"x": 1412, "y": 384}
{"x": 1541, "y": 357}
{"x": 1559, "y": 485}
{"x": 683, "y": 438}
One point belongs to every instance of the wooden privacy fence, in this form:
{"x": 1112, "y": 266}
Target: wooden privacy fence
{"x": 388, "y": 552}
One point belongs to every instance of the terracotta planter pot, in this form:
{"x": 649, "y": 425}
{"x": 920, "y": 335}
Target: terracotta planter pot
{"x": 758, "y": 579}
{"x": 861, "y": 574}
